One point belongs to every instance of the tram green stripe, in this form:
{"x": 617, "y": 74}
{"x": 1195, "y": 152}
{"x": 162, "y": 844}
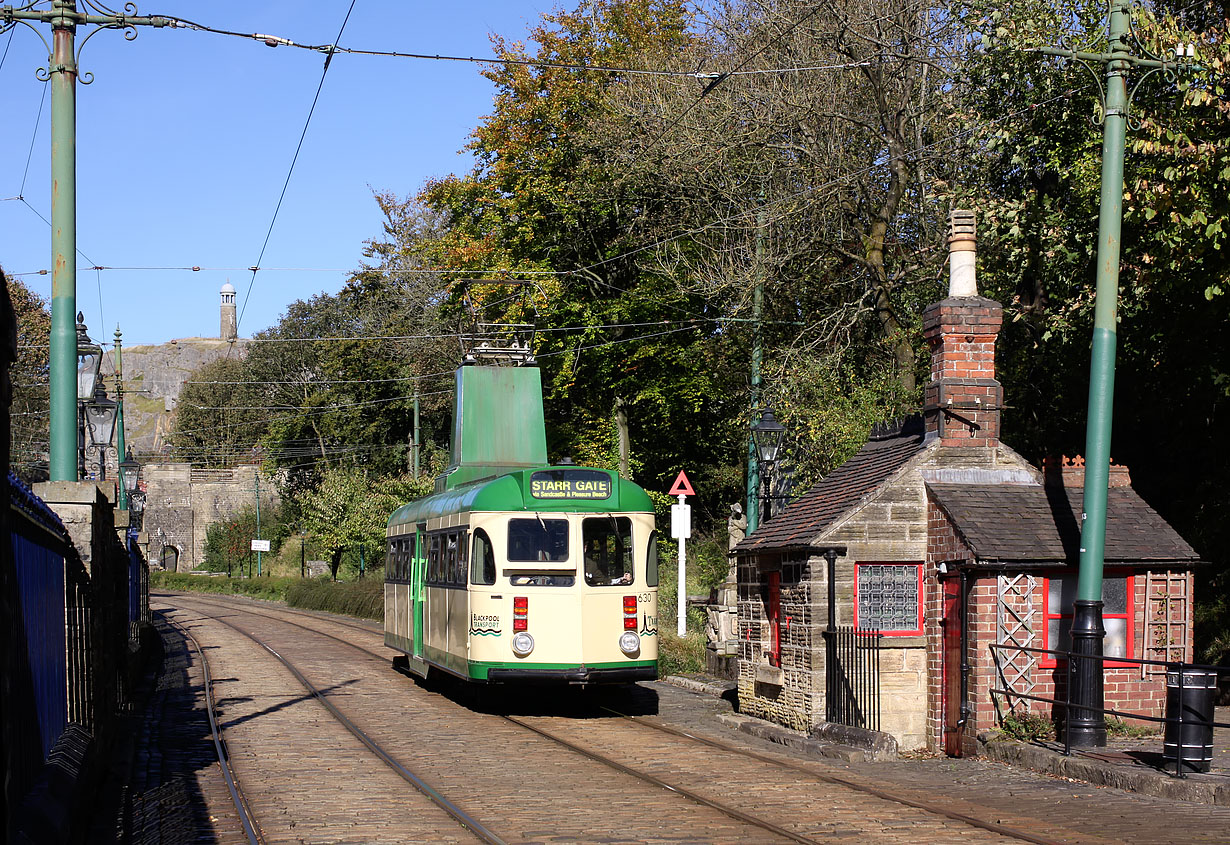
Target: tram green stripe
{"x": 479, "y": 669}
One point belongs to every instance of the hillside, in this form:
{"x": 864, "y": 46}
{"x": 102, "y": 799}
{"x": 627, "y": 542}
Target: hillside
{"x": 153, "y": 376}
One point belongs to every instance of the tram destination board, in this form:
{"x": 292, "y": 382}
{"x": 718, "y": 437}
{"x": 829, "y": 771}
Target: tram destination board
{"x": 570, "y": 484}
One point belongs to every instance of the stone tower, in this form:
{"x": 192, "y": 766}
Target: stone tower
{"x": 230, "y": 324}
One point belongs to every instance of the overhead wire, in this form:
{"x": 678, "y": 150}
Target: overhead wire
{"x": 294, "y": 159}
{"x": 279, "y": 41}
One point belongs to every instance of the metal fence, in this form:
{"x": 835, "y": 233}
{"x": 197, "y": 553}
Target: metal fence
{"x": 39, "y": 658}
{"x": 852, "y": 677}
{"x": 1190, "y": 689}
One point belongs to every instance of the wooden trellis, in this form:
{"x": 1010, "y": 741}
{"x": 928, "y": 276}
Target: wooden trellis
{"x": 1015, "y": 616}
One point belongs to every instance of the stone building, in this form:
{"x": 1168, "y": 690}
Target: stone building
{"x": 945, "y": 540}
{"x": 182, "y": 501}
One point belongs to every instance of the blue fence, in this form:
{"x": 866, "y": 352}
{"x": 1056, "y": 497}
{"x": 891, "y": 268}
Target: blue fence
{"x": 39, "y": 658}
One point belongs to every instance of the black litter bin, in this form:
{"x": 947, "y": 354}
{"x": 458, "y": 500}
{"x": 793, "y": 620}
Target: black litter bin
{"x": 1191, "y": 743}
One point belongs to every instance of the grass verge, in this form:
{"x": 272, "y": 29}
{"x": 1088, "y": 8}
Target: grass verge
{"x": 364, "y": 598}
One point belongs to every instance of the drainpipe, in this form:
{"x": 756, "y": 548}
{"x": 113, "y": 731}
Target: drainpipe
{"x": 965, "y": 666}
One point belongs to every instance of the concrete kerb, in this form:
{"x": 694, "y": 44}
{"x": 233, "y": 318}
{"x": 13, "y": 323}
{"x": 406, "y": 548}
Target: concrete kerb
{"x": 1197, "y": 789}
{"x": 854, "y": 745}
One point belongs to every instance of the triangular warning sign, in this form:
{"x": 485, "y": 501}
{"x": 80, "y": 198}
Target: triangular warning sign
{"x": 682, "y": 486}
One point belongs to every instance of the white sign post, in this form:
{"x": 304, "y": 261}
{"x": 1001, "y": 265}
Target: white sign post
{"x": 260, "y": 545}
{"x": 681, "y": 530}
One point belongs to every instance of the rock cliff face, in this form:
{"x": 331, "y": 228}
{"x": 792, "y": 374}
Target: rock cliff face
{"x": 153, "y": 376}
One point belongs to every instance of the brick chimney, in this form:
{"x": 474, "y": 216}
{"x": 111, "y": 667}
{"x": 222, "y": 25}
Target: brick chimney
{"x": 962, "y": 400}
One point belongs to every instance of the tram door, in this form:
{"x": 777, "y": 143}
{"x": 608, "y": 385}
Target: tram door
{"x": 418, "y": 573}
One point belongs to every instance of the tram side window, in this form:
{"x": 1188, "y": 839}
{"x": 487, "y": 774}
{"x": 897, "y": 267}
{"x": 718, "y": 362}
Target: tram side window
{"x": 651, "y": 561}
{"x": 390, "y": 562}
{"x": 434, "y": 557}
{"x": 482, "y": 561}
{"x": 606, "y": 543}
{"x": 537, "y": 539}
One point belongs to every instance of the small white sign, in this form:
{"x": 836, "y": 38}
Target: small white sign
{"x": 260, "y": 545}
{"x": 681, "y": 522}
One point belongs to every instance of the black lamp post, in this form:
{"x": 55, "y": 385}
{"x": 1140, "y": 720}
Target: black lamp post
{"x": 130, "y": 475}
{"x": 767, "y": 434}
{"x": 100, "y": 415}
{"x": 89, "y": 363}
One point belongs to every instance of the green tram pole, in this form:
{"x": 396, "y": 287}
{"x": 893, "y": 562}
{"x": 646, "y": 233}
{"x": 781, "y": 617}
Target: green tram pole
{"x": 120, "y": 446}
{"x": 752, "y": 509}
{"x": 62, "y": 73}
{"x": 1086, "y": 724}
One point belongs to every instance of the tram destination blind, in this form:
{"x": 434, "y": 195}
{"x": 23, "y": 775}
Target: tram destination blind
{"x": 570, "y": 484}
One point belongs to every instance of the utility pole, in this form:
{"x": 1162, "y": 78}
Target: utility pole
{"x": 122, "y": 496}
{"x": 753, "y": 465}
{"x": 62, "y": 72}
{"x": 256, "y": 479}
{"x": 1087, "y": 727}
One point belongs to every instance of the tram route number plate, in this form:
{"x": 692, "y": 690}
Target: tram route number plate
{"x": 681, "y": 522}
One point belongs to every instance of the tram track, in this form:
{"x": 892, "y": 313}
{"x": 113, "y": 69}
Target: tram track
{"x": 250, "y": 827}
{"x": 467, "y": 822}
{"x": 727, "y": 810}
{"x": 888, "y": 795}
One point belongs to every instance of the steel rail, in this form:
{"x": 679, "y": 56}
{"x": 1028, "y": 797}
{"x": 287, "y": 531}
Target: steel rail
{"x": 836, "y": 780}
{"x": 738, "y": 815}
{"x": 250, "y": 828}
{"x": 606, "y": 761}
{"x": 993, "y": 827}
{"x": 459, "y": 815}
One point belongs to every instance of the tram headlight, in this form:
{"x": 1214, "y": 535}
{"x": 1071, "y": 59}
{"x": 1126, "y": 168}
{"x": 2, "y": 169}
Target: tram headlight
{"x": 630, "y": 643}
{"x": 522, "y": 644}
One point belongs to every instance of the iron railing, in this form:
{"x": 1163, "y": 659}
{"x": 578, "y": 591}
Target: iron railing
{"x": 852, "y": 676}
{"x": 1178, "y": 722}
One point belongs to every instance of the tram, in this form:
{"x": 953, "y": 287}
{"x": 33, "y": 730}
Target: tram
{"x": 517, "y": 570}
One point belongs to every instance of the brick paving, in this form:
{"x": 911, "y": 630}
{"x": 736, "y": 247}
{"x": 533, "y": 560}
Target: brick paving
{"x": 312, "y": 782}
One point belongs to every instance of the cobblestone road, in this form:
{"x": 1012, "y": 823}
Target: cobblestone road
{"x": 309, "y": 781}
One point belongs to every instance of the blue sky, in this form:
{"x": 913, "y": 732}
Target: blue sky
{"x": 184, "y": 140}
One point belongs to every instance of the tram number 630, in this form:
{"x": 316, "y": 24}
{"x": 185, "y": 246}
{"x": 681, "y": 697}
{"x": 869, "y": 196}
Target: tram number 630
{"x": 644, "y": 597}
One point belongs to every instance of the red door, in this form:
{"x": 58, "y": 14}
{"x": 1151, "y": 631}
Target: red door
{"x": 953, "y": 729}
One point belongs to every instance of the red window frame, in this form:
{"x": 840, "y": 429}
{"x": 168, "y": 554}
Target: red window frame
{"x": 917, "y": 631}
{"x": 1049, "y": 661}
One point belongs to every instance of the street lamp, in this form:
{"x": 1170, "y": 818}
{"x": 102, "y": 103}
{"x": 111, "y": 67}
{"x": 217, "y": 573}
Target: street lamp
{"x": 130, "y": 474}
{"x": 100, "y": 424}
{"x": 89, "y": 362}
{"x": 767, "y": 434}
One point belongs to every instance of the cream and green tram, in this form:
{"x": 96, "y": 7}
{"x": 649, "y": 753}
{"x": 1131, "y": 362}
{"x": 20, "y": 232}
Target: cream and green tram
{"x": 538, "y": 575}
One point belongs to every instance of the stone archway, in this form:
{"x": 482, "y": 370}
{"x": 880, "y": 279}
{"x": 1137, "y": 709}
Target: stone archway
{"x": 170, "y": 558}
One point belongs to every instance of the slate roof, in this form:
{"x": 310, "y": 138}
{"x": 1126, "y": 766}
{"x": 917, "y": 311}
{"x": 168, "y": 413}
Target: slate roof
{"x": 1020, "y": 523}
{"x": 813, "y": 512}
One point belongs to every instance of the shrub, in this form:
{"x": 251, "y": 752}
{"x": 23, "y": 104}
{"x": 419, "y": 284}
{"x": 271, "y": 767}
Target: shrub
{"x": 363, "y": 598}
{"x": 681, "y": 656}
{"x": 1027, "y": 727}
{"x": 270, "y": 589}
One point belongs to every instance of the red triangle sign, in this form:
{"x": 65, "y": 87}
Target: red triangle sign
{"x": 682, "y": 486}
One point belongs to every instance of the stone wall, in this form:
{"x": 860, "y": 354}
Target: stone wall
{"x": 182, "y": 502}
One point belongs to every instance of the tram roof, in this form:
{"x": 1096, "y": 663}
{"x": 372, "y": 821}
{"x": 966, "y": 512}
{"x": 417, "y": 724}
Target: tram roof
{"x": 520, "y": 491}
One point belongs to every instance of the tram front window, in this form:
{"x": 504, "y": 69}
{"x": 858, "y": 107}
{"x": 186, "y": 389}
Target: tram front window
{"x": 537, "y": 540}
{"x": 606, "y": 543}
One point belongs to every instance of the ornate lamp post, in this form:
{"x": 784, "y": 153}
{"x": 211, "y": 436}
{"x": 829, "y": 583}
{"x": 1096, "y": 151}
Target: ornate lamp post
{"x": 89, "y": 362}
{"x": 100, "y": 415}
{"x": 130, "y": 474}
{"x": 767, "y": 434}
